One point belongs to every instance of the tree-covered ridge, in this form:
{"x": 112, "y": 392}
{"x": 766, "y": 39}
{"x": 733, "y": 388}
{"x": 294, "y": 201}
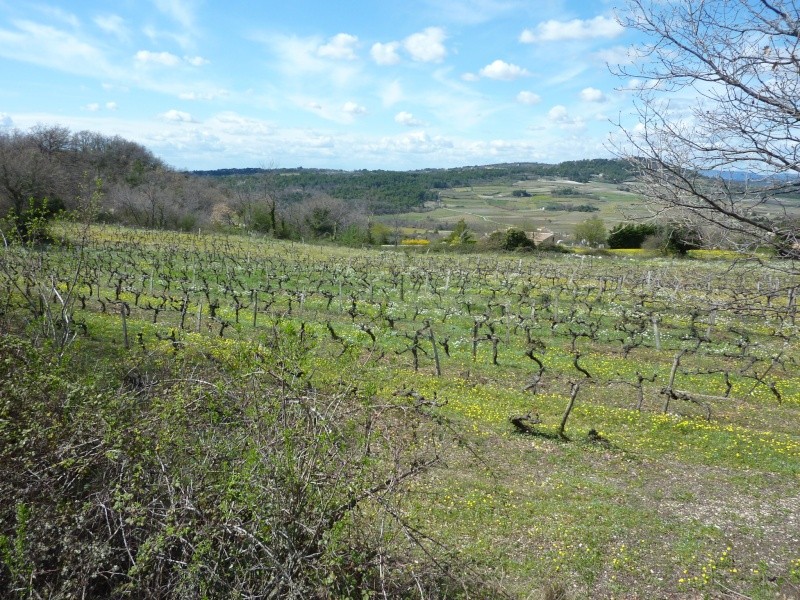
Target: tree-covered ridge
{"x": 48, "y": 169}
{"x": 56, "y": 163}
{"x": 610, "y": 170}
{"x": 399, "y": 191}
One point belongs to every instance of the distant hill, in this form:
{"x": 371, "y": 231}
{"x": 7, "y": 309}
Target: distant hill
{"x": 400, "y": 191}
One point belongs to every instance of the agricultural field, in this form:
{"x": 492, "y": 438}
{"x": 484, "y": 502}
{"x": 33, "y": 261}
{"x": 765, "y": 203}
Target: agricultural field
{"x": 211, "y": 415}
{"x": 552, "y": 204}
{"x": 492, "y": 206}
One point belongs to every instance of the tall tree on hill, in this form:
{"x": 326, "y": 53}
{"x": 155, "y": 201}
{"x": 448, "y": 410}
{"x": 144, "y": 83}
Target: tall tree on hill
{"x": 718, "y": 91}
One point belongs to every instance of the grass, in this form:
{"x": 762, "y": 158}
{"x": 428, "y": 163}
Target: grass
{"x": 486, "y": 208}
{"x": 654, "y": 505}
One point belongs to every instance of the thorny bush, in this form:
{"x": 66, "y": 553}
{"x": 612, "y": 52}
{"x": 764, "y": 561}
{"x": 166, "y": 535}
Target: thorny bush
{"x": 180, "y": 477}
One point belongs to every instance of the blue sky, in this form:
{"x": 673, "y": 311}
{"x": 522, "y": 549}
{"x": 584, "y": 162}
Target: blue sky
{"x": 352, "y": 84}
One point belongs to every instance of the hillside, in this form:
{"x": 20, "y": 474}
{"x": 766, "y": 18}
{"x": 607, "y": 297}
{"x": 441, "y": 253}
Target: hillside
{"x": 399, "y": 191}
{"x": 188, "y": 415}
{"x": 48, "y": 169}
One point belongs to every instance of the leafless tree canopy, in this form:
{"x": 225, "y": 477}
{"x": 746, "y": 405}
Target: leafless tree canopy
{"x": 718, "y": 92}
{"x": 136, "y": 187}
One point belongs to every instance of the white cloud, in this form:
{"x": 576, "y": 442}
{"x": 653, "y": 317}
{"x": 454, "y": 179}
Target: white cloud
{"x": 385, "y": 54}
{"x": 416, "y": 142}
{"x": 642, "y": 84}
{"x": 560, "y": 116}
{"x": 392, "y": 93}
{"x": 344, "y": 114}
{"x": 576, "y": 29}
{"x": 427, "y": 46}
{"x": 298, "y": 57}
{"x": 6, "y": 122}
{"x": 591, "y": 94}
{"x": 504, "y": 71}
{"x": 178, "y": 116}
{"x": 209, "y": 95}
{"x": 54, "y": 49}
{"x": 181, "y": 11}
{"x": 407, "y": 119}
{"x": 112, "y": 24}
{"x": 340, "y": 47}
{"x": 558, "y": 113}
{"x": 470, "y": 77}
{"x": 96, "y": 106}
{"x": 196, "y": 61}
{"x": 239, "y": 126}
{"x": 352, "y": 108}
{"x": 526, "y": 97}
{"x": 158, "y": 58}
{"x": 228, "y": 139}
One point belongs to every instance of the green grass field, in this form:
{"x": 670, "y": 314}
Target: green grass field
{"x": 676, "y": 473}
{"x": 487, "y": 208}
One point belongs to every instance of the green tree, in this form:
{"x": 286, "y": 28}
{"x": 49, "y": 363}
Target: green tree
{"x": 30, "y": 225}
{"x": 461, "y": 234}
{"x": 591, "y": 231}
{"x": 630, "y": 235}
{"x": 516, "y": 239}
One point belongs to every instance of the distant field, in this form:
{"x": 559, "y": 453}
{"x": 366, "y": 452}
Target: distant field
{"x": 489, "y": 207}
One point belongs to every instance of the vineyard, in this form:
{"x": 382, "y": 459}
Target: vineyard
{"x": 231, "y": 416}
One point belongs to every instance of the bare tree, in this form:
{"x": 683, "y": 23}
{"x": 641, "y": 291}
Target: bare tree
{"x": 718, "y": 97}
{"x": 26, "y": 172}
{"x": 255, "y": 200}
{"x": 323, "y": 216}
{"x": 50, "y": 162}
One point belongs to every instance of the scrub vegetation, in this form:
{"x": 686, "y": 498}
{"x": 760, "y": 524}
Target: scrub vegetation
{"x": 192, "y": 415}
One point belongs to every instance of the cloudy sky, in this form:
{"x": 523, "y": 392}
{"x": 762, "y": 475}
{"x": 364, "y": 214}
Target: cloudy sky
{"x": 351, "y": 84}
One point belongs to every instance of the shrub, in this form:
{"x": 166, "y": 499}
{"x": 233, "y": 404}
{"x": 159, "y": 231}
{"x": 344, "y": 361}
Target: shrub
{"x": 630, "y": 235}
{"x": 160, "y": 484}
{"x": 508, "y": 241}
{"x": 30, "y": 225}
{"x": 515, "y": 239}
{"x": 495, "y": 241}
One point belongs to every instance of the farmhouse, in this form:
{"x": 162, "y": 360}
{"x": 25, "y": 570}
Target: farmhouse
{"x": 542, "y": 237}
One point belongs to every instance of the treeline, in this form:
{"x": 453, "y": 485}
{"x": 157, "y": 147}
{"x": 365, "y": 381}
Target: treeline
{"x": 48, "y": 169}
{"x": 55, "y": 163}
{"x": 384, "y": 192}
{"x": 381, "y": 192}
{"x": 609, "y": 170}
